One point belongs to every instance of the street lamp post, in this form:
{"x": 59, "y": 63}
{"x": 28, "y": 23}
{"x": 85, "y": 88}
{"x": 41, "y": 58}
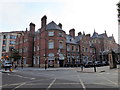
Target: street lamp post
{"x": 94, "y": 58}
{"x": 22, "y": 50}
{"x": 45, "y": 61}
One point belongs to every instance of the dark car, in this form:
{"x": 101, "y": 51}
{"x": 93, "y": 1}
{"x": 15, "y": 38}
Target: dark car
{"x": 98, "y": 63}
{"x": 104, "y": 63}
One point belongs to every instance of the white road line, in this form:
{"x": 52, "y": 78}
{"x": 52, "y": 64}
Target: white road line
{"x": 21, "y": 76}
{"x": 82, "y": 83}
{"x": 51, "y": 84}
{"x": 18, "y": 86}
{"x": 109, "y": 80}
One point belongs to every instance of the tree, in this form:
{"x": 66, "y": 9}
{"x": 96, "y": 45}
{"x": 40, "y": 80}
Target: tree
{"x": 15, "y": 55}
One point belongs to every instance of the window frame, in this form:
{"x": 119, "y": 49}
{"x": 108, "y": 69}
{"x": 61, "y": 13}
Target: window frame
{"x": 51, "y": 33}
{"x": 50, "y": 44}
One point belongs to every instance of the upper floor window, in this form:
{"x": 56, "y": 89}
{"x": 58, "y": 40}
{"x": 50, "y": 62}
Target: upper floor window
{"x": 51, "y": 33}
{"x": 61, "y": 44}
{"x": 70, "y": 40}
{"x": 12, "y": 37}
{"x": 72, "y": 48}
{"x": 86, "y": 49}
{"x": 68, "y": 47}
{"x": 51, "y": 45}
{"x": 60, "y": 34}
{"x": 4, "y": 42}
{"x": 12, "y": 42}
{"x": 4, "y": 36}
{"x": 83, "y": 49}
{"x": 3, "y": 48}
{"x": 77, "y": 49}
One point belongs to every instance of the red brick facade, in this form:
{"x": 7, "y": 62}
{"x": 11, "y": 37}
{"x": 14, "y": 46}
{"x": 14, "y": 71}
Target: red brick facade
{"x": 50, "y": 45}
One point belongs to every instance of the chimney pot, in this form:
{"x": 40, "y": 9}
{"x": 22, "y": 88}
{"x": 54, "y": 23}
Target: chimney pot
{"x": 60, "y": 25}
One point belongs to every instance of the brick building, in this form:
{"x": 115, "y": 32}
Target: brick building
{"x": 103, "y": 44}
{"x": 73, "y": 55}
{"x": 50, "y": 46}
{"x": 25, "y": 46}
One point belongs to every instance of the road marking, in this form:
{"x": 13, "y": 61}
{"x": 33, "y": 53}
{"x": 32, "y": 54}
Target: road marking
{"x": 21, "y": 76}
{"x": 108, "y": 80}
{"x": 51, "y": 84}
{"x": 82, "y": 83}
{"x": 21, "y": 82}
{"x": 19, "y": 86}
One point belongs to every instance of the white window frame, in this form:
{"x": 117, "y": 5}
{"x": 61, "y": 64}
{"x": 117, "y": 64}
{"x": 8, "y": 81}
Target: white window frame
{"x": 50, "y": 33}
{"x": 68, "y": 47}
{"x": 51, "y": 45}
{"x": 61, "y": 44}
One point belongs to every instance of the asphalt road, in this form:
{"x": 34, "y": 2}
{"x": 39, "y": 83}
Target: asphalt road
{"x": 63, "y": 79}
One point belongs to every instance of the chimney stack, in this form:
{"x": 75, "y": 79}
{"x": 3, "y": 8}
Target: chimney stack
{"x": 32, "y": 28}
{"x": 88, "y": 35}
{"x": 79, "y": 33}
{"x": 72, "y": 32}
{"x": 60, "y": 25}
{"x": 43, "y": 21}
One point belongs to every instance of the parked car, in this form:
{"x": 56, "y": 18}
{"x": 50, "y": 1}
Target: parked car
{"x": 98, "y": 63}
{"x": 104, "y": 63}
{"x": 88, "y": 64}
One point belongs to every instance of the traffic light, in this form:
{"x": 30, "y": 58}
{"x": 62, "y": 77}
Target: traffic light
{"x": 2, "y": 57}
{"x": 7, "y": 56}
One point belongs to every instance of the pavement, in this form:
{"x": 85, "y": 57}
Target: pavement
{"x": 91, "y": 69}
{"x": 78, "y": 69}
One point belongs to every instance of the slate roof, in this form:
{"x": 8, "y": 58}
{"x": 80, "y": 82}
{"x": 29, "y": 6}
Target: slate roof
{"x": 73, "y": 41}
{"x": 53, "y": 26}
{"x": 78, "y": 38}
{"x": 110, "y": 38}
{"x": 95, "y": 35}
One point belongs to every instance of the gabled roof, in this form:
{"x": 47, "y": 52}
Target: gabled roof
{"x": 52, "y": 26}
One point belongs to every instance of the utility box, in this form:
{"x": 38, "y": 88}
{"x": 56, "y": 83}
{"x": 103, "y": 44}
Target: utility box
{"x": 112, "y": 59}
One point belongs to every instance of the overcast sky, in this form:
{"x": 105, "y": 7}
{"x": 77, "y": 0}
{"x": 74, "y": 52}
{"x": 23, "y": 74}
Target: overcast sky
{"x": 82, "y": 15}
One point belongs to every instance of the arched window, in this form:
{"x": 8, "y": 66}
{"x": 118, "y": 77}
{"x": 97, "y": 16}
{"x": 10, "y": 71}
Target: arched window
{"x": 60, "y": 44}
{"x": 51, "y": 56}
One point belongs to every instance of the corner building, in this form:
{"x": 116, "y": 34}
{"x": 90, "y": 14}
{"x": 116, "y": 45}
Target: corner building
{"x": 52, "y": 44}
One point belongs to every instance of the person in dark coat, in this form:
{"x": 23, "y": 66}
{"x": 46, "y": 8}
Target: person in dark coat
{"x": 82, "y": 66}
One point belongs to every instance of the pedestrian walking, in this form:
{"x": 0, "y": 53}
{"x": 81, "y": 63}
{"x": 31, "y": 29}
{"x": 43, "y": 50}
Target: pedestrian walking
{"x": 82, "y": 66}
